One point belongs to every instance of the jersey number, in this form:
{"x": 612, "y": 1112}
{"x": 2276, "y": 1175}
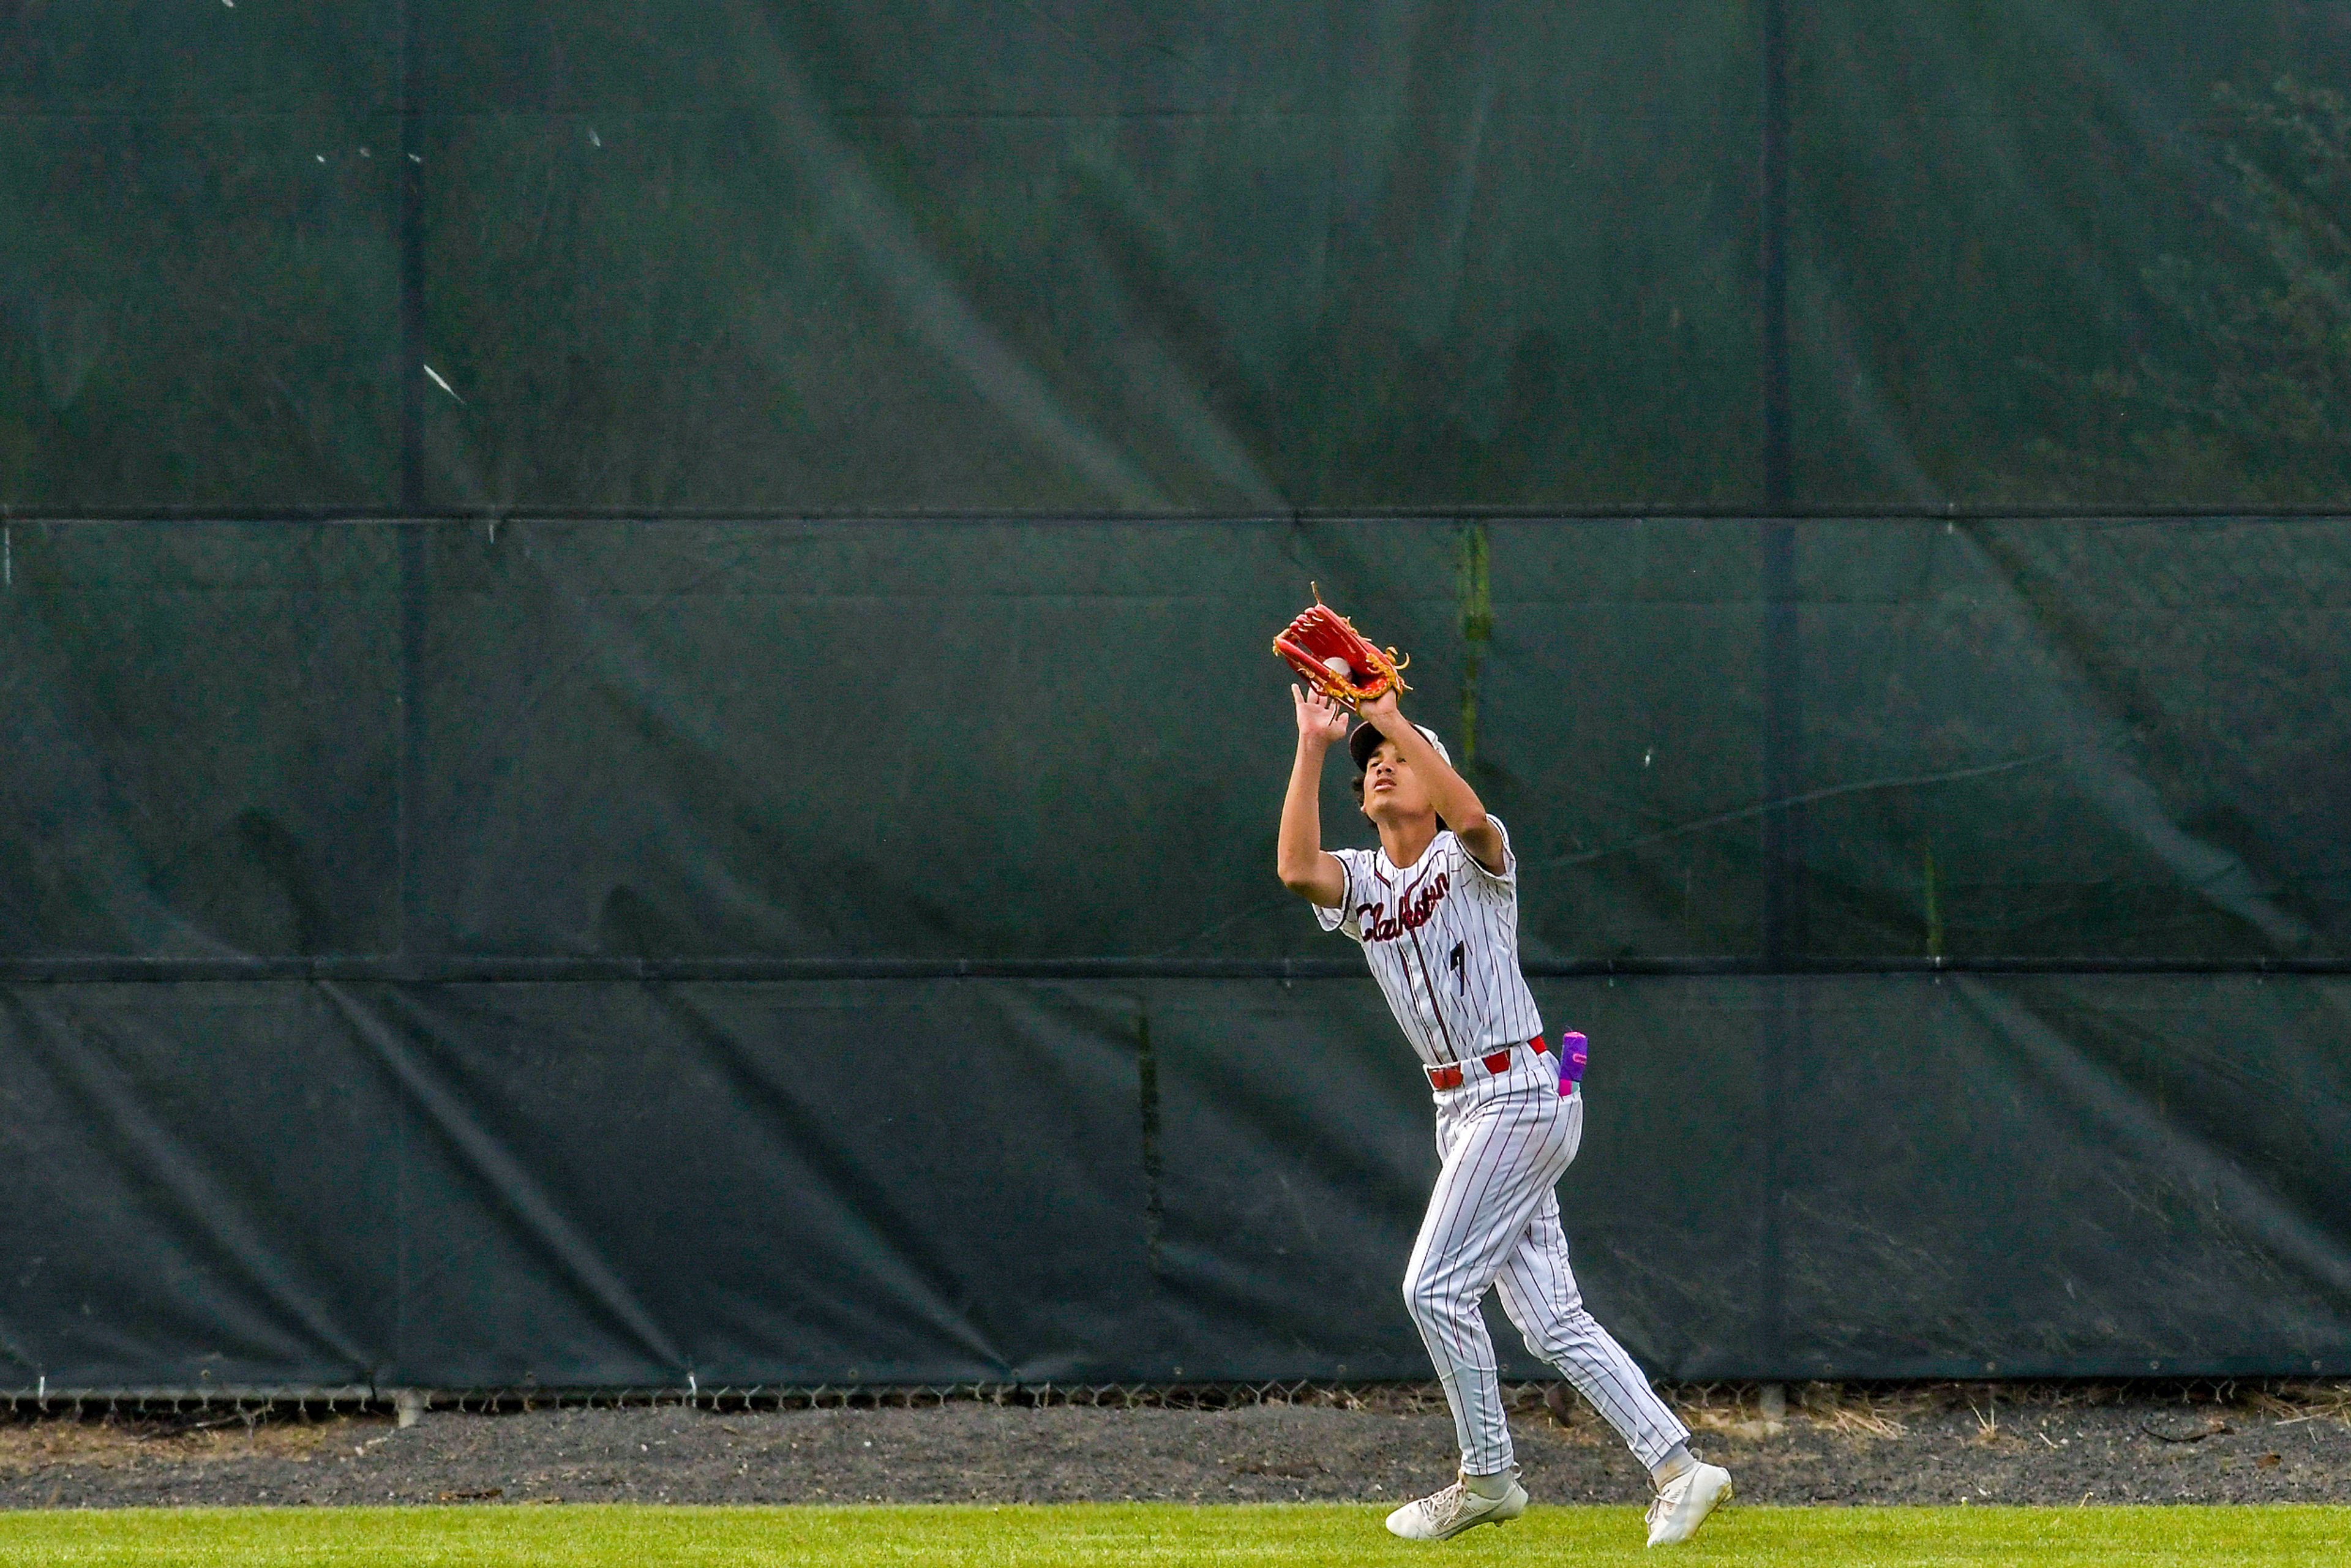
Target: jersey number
{"x": 1455, "y": 963}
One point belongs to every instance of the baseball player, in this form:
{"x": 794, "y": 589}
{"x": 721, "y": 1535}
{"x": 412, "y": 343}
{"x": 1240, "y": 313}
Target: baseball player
{"x": 1436, "y": 909}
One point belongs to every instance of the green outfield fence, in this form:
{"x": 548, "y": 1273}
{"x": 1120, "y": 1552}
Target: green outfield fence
{"x": 640, "y": 755}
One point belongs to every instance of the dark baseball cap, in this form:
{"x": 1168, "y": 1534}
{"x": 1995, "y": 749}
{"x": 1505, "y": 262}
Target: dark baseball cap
{"x": 1367, "y": 737}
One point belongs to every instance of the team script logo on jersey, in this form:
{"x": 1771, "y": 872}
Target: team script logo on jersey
{"x": 1381, "y": 925}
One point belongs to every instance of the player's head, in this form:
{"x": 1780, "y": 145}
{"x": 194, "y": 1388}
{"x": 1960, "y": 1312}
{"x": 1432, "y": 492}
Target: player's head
{"x": 1386, "y": 786}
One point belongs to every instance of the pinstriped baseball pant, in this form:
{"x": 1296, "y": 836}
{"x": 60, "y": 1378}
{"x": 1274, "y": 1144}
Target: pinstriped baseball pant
{"x": 1494, "y": 1220}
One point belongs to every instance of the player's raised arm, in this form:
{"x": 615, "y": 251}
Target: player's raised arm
{"x": 1455, "y": 801}
{"x": 1305, "y": 867}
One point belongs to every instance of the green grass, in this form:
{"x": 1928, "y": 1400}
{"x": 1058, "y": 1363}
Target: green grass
{"x": 1088, "y": 1536}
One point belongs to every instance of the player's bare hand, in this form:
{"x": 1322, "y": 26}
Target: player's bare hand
{"x": 1320, "y": 719}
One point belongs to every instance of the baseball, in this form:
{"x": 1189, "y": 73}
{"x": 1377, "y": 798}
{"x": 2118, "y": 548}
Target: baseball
{"x": 1336, "y": 665}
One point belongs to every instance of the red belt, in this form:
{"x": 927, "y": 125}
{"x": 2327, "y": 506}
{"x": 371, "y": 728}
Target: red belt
{"x": 1449, "y": 1075}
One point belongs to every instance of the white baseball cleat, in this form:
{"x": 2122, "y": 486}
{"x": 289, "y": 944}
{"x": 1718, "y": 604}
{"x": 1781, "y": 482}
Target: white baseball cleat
{"x": 1443, "y": 1515}
{"x": 1683, "y": 1503}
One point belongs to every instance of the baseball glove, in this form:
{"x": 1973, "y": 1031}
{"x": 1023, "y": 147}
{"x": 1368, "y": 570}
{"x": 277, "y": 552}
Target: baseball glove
{"x": 1336, "y": 660}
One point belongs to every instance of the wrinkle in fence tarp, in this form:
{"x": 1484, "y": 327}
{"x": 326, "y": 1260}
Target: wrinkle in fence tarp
{"x": 201, "y": 1189}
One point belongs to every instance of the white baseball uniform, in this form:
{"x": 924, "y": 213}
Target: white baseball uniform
{"x": 1442, "y": 938}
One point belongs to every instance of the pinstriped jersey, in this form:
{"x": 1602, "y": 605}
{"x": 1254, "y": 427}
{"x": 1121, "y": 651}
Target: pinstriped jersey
{"x": 1442, "y": 938}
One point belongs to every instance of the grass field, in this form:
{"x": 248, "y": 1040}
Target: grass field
{"x": 1102, "y": 1536}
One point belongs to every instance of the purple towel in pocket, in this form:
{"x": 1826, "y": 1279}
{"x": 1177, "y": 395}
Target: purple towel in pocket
{"x": 1573, "y": 1050}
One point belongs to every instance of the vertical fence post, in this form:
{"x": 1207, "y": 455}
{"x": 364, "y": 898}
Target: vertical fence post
{"x": 410, "y": 530}
{"x": 1771, "y": 181}
{"x": 410, "y": 225}
{"x": 1783, "y": 1023}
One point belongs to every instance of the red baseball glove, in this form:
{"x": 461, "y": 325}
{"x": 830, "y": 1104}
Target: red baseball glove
{"x": 1336, "y": 660}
